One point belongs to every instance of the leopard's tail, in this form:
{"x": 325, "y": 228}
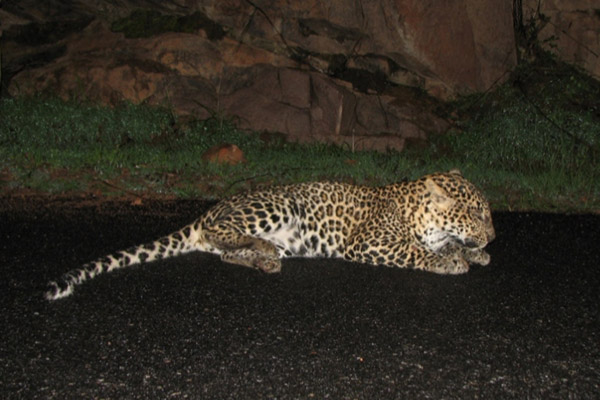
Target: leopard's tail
{"x": 183, "y": 241}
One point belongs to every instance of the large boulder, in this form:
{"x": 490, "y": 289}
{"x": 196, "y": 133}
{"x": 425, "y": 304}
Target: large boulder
{"x": 365, "y": 74}
{"x": 569, "y": 29}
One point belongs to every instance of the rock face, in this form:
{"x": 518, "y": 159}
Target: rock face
{"x": 365, "y": 74}
{"x": 570, "y": 29}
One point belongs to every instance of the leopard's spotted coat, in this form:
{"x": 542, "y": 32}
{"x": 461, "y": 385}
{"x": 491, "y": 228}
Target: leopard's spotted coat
{"x": 438, "y": 223}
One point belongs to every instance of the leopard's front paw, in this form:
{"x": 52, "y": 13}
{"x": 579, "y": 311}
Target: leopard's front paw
{"x": 453, "y": 265}
{"x": 477, "y": 256}
{"x": 458, "y": 265}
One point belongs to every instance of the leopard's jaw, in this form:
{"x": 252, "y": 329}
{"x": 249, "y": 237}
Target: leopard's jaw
{"x": 438, "y": 240}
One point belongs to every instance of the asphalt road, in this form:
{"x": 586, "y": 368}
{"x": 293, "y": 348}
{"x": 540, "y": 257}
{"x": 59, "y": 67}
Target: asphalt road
{"x": 526, "y": 326}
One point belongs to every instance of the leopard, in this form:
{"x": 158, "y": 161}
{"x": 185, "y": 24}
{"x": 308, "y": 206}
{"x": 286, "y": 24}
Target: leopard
{"x": 437, "y": 223}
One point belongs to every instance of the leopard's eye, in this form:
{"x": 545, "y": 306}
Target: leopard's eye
{"x": 477, "y": 213}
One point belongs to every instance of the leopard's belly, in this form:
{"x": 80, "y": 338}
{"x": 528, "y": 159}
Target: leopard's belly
{"x": 295, "y": 240}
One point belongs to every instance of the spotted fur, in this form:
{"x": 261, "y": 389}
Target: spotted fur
{"x": 438, "y": 223}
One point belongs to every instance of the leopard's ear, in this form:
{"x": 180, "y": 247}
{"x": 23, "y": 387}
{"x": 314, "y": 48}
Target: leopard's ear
{"x": 455, "y": 171}
{"x": 439, "y": 197}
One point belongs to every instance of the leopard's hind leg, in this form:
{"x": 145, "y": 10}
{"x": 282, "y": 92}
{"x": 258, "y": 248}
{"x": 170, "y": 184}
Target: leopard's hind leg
{"x": 252, "y": 258}
{"x": 245, "y": 250}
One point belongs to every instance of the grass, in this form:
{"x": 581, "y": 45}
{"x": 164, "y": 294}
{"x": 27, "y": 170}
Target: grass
{"x": 532, "y": 144}
{"x": 540, "y": 135}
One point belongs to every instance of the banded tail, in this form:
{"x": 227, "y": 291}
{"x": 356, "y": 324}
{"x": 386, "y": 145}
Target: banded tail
{"x": 180, "y": 242}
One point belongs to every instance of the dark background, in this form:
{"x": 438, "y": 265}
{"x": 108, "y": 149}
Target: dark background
{"x": 527, "y": 326}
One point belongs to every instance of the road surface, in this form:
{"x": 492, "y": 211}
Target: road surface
{"x": 526, "y": 326}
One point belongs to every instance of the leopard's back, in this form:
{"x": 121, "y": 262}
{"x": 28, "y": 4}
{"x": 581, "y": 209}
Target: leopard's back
{"x": 309, "y": 219}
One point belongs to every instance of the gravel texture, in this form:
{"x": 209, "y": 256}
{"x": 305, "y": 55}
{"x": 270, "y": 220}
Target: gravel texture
{"x": 526, "y": 326}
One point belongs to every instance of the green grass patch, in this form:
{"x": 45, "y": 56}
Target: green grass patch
{"x": 531, "y": 144}
{"x": 536, "y": 138}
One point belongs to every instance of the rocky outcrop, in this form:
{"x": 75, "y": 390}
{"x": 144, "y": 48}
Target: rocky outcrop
{"x": 569, "y": 29}
{"x": 360, "y": 73}
{"x": 226, "y": 153}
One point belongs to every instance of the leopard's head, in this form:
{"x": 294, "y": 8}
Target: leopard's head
{"x": 452, "y": 209}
